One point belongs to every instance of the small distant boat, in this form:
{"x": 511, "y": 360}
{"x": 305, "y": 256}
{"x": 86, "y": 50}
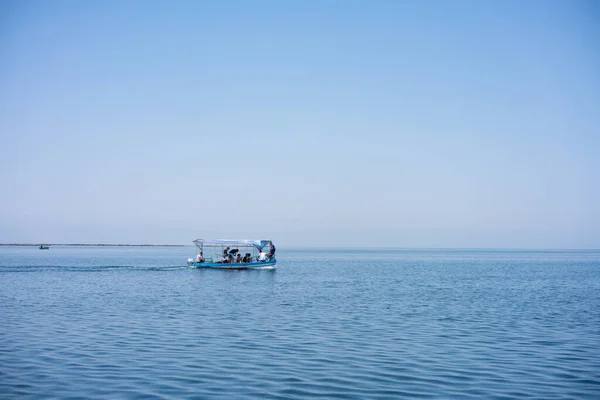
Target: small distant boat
{"x": 234, "y": 254}
{"x": 42, "y": 247}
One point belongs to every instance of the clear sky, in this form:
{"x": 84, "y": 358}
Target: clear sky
{"x": 329, "y": 123}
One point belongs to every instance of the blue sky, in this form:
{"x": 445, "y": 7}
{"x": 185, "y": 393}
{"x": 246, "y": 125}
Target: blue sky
{"x": 329, "y": 123}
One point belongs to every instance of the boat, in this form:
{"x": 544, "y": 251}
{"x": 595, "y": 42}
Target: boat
{"x": 234, "y": 254}
{"x": 42, "y": 247}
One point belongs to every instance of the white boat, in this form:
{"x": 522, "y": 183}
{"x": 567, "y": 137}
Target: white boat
{"x": 234, "y": 254}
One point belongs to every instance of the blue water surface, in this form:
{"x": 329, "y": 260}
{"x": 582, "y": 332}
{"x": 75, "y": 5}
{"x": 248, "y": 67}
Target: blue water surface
{"x": 135, "y": 322}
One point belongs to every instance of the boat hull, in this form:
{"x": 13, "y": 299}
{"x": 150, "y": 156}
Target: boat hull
{"x": 252, "y": 265}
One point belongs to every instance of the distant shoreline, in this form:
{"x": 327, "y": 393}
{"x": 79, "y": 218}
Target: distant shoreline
{"x": 94, "y": 245}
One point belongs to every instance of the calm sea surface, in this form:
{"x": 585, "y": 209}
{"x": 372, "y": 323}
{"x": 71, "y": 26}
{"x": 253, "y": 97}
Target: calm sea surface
{"x": 117, "y": 322}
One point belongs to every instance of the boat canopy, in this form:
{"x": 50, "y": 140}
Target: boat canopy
{"x": 259, "y": 244}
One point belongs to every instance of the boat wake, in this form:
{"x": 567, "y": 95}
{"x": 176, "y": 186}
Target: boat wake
{"x": 87, "y": 268}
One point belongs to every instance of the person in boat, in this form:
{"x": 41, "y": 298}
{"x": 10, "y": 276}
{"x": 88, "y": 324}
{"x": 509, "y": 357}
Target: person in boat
{"x": 233, "y": 251}
{"x": 272, "y": 251}
{"x": 262, "y": 256}
{"x": 230, "y": 259}
{"x": 200, "y": 258}
{"x": 238, "y": 260}
{"x": 226, "y": 252}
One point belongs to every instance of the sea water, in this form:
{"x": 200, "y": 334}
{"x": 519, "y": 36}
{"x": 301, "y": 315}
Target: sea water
{"x": 135, "y": 322}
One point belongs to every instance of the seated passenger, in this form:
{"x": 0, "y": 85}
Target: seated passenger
{"x": 238, "y": 258}
{"x": 200, "y": 258}
{"x": 262, "y": 256}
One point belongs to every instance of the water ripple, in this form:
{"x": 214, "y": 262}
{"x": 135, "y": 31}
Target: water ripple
{"x": 461, "y": 326}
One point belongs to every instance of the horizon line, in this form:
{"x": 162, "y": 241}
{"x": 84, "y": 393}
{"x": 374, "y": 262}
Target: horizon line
{"x": 318, "y": 247}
